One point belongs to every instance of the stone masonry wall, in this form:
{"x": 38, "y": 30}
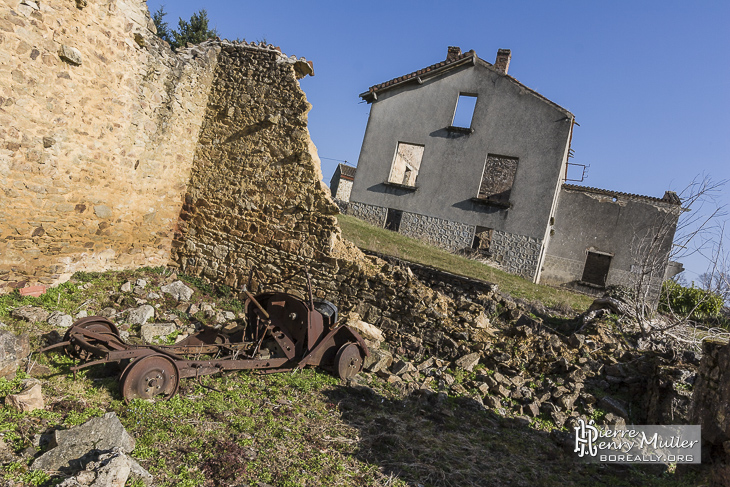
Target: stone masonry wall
{"x": 711, "y": 408}
{"x": 518, "y": 254}
{"x": 255, "y": 199}
{"x": 442, "y": 233}
{"x": 344, "y": 188}
{"x": 98, "y": 127}
{"x": 375, "y": 215}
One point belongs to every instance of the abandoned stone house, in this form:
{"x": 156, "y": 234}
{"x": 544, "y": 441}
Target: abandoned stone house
{"x": 465, "y": 156}
{"x": 341, "y": 182}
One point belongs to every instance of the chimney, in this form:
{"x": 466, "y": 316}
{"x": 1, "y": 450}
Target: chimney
{"x": 503, "y": 59}
{"x": 453, "y": 53}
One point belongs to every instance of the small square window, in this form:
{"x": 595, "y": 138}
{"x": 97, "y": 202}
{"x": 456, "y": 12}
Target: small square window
{"x": 464, "y": 111}
{"x": 406, "y": 164}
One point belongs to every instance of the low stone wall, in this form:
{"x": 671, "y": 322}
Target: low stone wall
{"x": 711, "y": 408}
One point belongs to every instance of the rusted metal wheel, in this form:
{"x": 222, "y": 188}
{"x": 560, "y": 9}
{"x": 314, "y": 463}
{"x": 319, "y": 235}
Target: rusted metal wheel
{"x": 97, "y": 324}
{"x": 149, "y": 377}
{"x": 348, "y": 361}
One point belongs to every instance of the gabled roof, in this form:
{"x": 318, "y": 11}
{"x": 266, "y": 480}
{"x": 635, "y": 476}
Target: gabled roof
{"x": 455, "y": 58}
{"x": 670, "y": 197}
{"x": 347, "y": 172}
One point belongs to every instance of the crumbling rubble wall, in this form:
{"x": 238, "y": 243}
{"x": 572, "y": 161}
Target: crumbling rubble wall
{"x": 711, "y": 408}
{"x": 98, "y": 126}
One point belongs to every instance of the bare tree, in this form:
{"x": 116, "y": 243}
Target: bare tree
{"x": 676, "y": 232}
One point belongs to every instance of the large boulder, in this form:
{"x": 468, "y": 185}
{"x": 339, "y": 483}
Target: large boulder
{"x": 178, "y": 290}
{"x": 72, "y": 445}
{"x": 109, "y": 469}
{"x": 13, "y": 349}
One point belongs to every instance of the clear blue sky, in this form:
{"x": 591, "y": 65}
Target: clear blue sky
{"x": 648, "y": 82}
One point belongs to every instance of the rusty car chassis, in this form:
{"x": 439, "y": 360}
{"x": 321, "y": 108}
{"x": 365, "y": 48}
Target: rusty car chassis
{"x": 283, "y": 332}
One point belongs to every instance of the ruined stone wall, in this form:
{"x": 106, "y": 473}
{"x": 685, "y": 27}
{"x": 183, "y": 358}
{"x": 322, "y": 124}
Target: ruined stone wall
{"x": 711, "y": 408}
{"x": 98, "y": 127}
{"x": 255, "y": 199}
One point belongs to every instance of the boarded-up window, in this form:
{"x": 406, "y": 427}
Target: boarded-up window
{"x": 464, "y": 111}
{"x": 482, "y": 239}
{"x": 596, "y": 269}
{"x": 497, "y": 179}
{"x": 392, "y": 219}
{"x": 406, "y": 164}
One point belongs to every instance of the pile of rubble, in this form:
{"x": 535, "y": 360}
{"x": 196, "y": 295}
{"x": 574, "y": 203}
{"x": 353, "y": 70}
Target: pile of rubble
{"x": 532, "y": 371}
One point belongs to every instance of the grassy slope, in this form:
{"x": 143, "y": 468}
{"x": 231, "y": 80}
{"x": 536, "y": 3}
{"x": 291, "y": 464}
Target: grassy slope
{"x": 369, "y": 237}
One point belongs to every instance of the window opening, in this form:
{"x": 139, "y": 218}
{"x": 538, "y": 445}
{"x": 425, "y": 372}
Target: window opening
{"x": 596, "y": 269}
{"x": 392, "y": 219}
{"x": 464, "y": 111}
{"x": 498, "y": 178}
{"x": 406, "y": 164}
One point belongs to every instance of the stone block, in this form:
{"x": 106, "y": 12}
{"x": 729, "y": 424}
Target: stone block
{"x": 70, "y": 54}
{"x": 29, "y": 399}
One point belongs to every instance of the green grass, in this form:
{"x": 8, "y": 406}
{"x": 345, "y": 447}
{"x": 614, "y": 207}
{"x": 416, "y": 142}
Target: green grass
{"x": 376, "y": 239}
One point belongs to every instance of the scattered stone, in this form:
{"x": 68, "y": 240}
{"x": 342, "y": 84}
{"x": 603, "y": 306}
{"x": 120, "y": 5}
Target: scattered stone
{"x": 81, "y": 314}
{"x": 139, "y": 291}
{"x": 28, "y": 399}
{"x": 108, "y": 312}
{"x": 429, "y": 362}
{"x": 378, "y": 360}
{"x": 613, "y": 420}
{"x": 368, "y": 331}
{"x": 141, "y": 283}
{"x": 612, "y": 405}
{"x": 576, "y": 340}
{"x": 559, "y": 418}
{"x": 467, "y": 362}
{"x": 533, "y": 409}
{"x": 151, "y": 331}
{"x": 492, "y": 402}
{"x": 13, "y": 349}
{"x": 30, "y": 313}
{"x": 126, "y": 287}
{"x": 482, "y": 321}
{"x": 59, "y": 319}
{"x": 402, "y": 367}
{"x": 194, "y": 308}
{"x": 178, "y": 290}
{"x": 153, "y": 295}
{"x": 104, "y": 433}
{"x": 139, "y": 316}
